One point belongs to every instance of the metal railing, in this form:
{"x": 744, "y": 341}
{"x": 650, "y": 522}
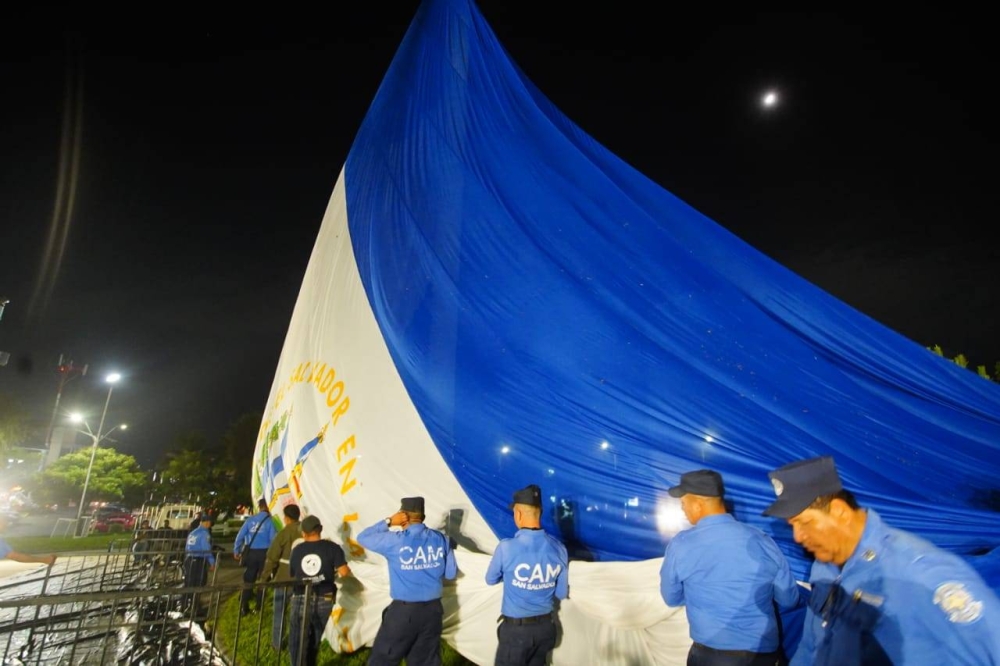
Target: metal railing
{"x": 127, "y": 605}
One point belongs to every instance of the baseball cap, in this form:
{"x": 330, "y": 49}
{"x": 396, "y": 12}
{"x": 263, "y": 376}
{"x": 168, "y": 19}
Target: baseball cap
{"x": 311, "y": 524}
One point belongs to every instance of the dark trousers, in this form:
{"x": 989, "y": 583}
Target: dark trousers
{"x": 525, "y": 642}
{"x": 702, "y": 655}
{"x": 308, "y": 625}
{"x": 410, "y": 630}
{"x": 254, "y": 559}
{"x": 195, "y": 575}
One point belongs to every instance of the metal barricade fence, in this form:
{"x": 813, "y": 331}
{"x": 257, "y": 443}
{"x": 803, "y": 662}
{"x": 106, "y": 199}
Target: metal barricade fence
{"x": 124, "y": 605}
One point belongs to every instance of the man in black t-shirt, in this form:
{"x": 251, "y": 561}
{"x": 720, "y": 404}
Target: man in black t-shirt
{"x": 318, "y": 562}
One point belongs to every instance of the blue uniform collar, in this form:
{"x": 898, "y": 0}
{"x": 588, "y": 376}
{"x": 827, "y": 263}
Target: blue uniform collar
{"x": 715, "y": 519}
{"x": 870, "y": 543}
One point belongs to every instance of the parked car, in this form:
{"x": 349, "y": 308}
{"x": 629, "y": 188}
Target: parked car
{"x": 229, "y": 526}
{"x": 105, "y": 517}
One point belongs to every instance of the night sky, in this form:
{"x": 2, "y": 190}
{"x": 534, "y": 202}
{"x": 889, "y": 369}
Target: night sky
{"x": 208, "y": 148}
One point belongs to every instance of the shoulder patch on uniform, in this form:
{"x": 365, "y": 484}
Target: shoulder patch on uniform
{"x": 958, "y": 603}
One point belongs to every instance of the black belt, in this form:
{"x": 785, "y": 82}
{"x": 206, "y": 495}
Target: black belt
{"x": 735, "y": 653}
{"x": 534, "y": 619}
{"x": 414, "y": 603}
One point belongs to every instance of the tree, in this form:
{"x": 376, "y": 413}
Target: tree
{"x": 961, "y": 361}
{"x": 236, "y": 464}
{"x": 114, "y": 476}
{"x": 13, "y": 422}
{"x": 187, "y": 470}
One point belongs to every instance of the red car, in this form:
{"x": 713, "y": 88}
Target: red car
{"x": 104, "y": 521}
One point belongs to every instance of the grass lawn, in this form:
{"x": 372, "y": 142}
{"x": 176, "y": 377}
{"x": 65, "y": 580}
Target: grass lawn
{"x": 46, "y": 545}
{"x": 248, "y": 651}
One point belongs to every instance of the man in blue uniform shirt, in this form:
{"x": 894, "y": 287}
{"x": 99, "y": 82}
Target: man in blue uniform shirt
{"x": 880, "y": 595}
{"x": 250, "y": 549}
{"x": 198, "y": 558}
{"x": 729, "y": 575}
{"x": 419, "y": 559}
{"x": 534, "y": 569}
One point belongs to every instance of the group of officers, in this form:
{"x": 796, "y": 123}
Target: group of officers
{"x": 876, "y": 594}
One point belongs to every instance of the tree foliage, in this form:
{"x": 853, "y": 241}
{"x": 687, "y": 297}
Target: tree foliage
{"x": 13, "y": 422}
{"x": 214, "y": 476}
{"x": 963, "y": 362}
{"x": 114, "y": 476}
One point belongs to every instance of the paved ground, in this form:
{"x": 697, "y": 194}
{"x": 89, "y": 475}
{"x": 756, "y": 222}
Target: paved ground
{"x": 38, "y": 524}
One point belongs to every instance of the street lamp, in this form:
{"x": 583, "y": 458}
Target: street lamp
{"x": 76, "y": 418}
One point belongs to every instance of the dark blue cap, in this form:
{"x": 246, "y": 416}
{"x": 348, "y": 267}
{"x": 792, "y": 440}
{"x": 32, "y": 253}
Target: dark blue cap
{"x": 798, "y": 484}
{"x": 702, "y": 482}
{"x": 206, "y": 517}
{"x": 412, "y": 504}
{"x": 530, "y": 495}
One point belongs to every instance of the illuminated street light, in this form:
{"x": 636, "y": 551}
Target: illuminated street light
{"x": 76, "y": 418}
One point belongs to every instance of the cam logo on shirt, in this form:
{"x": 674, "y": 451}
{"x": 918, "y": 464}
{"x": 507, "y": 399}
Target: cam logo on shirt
{"x": 421, "y": 557}
{"x": 528, "y": 577}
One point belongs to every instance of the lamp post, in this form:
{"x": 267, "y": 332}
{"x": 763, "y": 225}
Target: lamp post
{"x": 111, "y": 380}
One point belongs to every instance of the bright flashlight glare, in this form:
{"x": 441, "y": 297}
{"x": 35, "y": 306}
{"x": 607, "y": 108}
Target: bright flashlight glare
{"x": 670, "y": 517}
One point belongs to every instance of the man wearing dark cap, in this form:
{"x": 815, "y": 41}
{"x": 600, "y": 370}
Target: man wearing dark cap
{"x": 879, "y": 594}
{"x": 316, "y": 561}
{"x": 419, "y": 560}
{"x": 534, "y": 568}
{"x": 729, "y": 576}
{"x": 198, "y": 558}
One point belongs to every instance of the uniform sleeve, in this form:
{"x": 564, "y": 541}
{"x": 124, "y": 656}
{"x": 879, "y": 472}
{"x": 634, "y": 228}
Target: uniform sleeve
{"x": 562, "y": 582}
{"x": 787, "y": 592}
{"x": 208, "y": 547}
{"x": 4, "y": 549}
{"x": 241, "y": 537}
{"x": 671, "y": 588}
{"x": 494, "y": 572}
{"x": 273, "y": 557}
{"x": 376, "y": 538}
{"x": 956, "y": 607}
{"x": 339, "y": 557}
{"x": 450, "y": 564}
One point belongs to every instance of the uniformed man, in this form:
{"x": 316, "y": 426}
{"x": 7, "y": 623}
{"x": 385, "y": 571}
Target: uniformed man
{"x": 276, "y": 567}
{"x": 419, "y": 560}
{"x": 534, "y": 568}
{"x": 317, "y": 561}
{"x": 8, "y": 553}
{"x": 198, "y": 558}
{"x": 729, "y": 576}
{"x": 256, "y": 535}
{"x": 879, "y": 595}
